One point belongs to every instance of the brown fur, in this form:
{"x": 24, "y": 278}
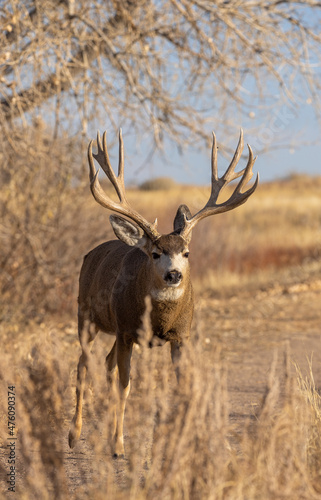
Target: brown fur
{"x": 115, "y": 280}
{"x": 117, "y": 276}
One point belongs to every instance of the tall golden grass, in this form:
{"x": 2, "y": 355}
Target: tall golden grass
{"x": 180, "y": 442}
{"x": 48, "y": 224}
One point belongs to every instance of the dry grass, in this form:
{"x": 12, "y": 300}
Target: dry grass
{"x": 50, "y": 225}
{"x": 180, "y": 441}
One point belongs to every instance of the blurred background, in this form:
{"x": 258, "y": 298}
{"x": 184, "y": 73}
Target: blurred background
{"x": 167, "y": 73}
{"x": 246, "y": 423}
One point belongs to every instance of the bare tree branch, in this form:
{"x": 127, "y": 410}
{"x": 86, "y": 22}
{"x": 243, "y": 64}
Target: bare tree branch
{"x": 157, "y": 63}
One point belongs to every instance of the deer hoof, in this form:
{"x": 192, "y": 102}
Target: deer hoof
{"x": 73, "y": 438}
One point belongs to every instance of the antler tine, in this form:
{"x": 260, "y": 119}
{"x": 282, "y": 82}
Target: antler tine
{"x": 237, "y": 196}
{"x": 121, "y": 158}
{"x": 102, "y": 156}
{"x": 214, "y": 159}
{"x": 230, "y": 175}
{"x": 122, "y": 206}
{"x": 95, "y": 186}
{"x": 103, "y": 159}
{"x": 93, "y": 174}
{"x": 247, "y": 173}
{"x": 218, "y": 183}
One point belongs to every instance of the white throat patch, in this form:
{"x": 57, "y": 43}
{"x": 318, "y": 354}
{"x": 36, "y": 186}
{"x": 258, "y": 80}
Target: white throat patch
{"x": 170, "y": 293}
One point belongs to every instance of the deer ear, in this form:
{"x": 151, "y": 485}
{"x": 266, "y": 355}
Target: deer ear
{"x": 127, "y": 232}
{"x": 183, "y": 213}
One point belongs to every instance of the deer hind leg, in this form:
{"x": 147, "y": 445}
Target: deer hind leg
{"x": 87, "y": 333}
{"x": 124, "y": 352}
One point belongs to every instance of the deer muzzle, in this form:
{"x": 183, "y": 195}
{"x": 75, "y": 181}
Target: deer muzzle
{"x": 173, "y": 277}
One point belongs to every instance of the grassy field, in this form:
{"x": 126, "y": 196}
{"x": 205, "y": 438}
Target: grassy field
{"x": 246, "y": 422}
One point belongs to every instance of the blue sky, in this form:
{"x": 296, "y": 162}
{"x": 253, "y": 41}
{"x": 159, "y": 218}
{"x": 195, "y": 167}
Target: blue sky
{"x": 288, "y": 142}
{"x": 285, "y": 136}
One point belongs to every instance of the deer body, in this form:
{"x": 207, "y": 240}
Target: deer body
{"x": 117, "y": 276}
{"x": 114, "y": 281}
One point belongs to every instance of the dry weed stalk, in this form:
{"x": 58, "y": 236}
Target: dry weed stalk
{"x": 182, "y": 428}
{"x": 313, "y": 444}
{"x": 275, "y": 448}
{"x": 41, "y": 279}
{"x": 34, "y": 222}
{"x": 182, "y": 444}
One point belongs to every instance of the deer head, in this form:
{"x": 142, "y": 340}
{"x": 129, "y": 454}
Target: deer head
{"x": 168, "y": 254}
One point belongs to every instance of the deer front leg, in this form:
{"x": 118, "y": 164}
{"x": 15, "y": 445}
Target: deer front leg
{"x": 176, "y": 353}
{"x": 86, "y": 337}
{"x": 111, "y": 372}
{"x": 124, "y": 352}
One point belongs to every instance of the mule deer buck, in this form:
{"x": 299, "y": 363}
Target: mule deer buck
{"x": 118, "y": 275}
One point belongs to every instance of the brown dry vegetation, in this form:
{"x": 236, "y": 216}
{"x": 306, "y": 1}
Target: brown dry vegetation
{"x": 245, "y": 424}
{"x": 47, "y": 225}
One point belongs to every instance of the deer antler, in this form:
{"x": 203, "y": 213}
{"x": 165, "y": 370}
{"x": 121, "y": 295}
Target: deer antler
{"x": 122, "y": 207}
{"x": 218, "y": 183}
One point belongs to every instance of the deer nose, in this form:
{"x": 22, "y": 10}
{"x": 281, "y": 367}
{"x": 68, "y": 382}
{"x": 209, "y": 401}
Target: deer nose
{"x": 173, "y": 277}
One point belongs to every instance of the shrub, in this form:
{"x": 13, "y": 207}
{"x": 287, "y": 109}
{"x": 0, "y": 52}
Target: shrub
{"x": 158, "y": 184}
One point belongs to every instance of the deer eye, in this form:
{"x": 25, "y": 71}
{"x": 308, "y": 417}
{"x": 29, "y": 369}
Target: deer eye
{"x": 186, "y": 254}
{"x": 155, "y": 255}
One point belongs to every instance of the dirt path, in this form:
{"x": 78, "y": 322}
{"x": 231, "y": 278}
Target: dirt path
{"x": 253, "y": 328}
{"x": 250, "y": 327}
